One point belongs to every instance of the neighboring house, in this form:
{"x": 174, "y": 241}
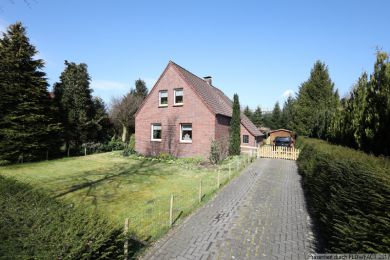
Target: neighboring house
{"x": 279, "y": 133}
{"x": 183, "y": 114}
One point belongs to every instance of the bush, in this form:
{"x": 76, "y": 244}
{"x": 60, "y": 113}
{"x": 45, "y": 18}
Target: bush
{"x": 116, "y": 144}
{"x": 130, "y": 148}
{"x": 36, "y": 226}
{"x": 218, "y": 151}
{"x": 165, "y": 157}
{"x": 349, "y": 194}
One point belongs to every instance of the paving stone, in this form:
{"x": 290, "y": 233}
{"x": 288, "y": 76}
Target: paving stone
{"x": 259, "y": 215}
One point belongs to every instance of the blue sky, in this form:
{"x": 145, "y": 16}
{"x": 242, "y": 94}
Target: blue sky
{"x": 260, "y": 49}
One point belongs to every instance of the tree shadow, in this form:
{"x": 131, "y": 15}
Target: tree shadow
{"x": 139, "y": 169}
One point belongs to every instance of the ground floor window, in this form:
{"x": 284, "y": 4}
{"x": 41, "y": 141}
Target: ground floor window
{"x": 156, "y": 132}
{"x": 186, "y": 133}
{"x": 245, "y": 139}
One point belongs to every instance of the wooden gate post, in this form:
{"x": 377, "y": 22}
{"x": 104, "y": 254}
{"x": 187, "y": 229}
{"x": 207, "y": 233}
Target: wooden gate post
{"x": 126, "y": 246}
{"x": 200, "y": 191}
{"x": 171, "y": 212}
{"x": 218, "y": 179}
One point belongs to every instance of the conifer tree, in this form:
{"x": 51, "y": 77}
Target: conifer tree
{"x": 316, "y": 103}
{"x": 235, "y": 131}
{"x": 27, "y": 128}
{"x": 248, "y": 112}
{"x": 288, "y": 113}
{"x": 76, "y": 103}
{"x": 257, "y": 117}
{"x": 140, "y": 89}
{"x": 276, "y": 116}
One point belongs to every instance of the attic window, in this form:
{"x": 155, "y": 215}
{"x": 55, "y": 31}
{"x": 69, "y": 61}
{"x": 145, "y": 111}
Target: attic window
{"x": 163, "y": 98}
{"x": 178, "y": 93}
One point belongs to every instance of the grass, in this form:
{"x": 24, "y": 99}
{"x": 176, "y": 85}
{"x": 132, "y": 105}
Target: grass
{"x": 126, "y": 187}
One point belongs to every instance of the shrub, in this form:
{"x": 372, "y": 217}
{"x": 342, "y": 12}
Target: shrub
{"x": 132, "y": 142}
{"x": 36, "y": 226}
{"x": 165, "y": 157}
{"x": 348, "y": 193}
{"x": 116, "y": 144}
{"x": 218, "y": 151}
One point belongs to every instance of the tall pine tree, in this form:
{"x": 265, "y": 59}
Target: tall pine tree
{"x": 235, "y": 128}
{"x": 276, "y": 117}
{"x": 76, "y": 103}
{"x": 316, "y": 103}
{"x": 27, "y": 128}
{"x": 257, "y": 117}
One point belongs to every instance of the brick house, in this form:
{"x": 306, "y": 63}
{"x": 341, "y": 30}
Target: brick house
{"x": 183, "y": 114}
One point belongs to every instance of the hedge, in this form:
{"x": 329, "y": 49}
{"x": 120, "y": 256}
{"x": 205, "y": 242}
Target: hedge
{"x": 36, "y": 226}
{"x": 348, "y": 194}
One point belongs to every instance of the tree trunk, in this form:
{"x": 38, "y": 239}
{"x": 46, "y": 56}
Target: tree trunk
{"x": 124, "y": 133}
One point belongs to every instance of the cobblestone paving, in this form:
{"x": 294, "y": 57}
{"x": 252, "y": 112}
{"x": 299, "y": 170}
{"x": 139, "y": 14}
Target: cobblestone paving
{"x": 260, "y": 215}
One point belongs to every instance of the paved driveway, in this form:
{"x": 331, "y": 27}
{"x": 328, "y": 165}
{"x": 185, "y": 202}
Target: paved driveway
{"x": 259, "y": 215}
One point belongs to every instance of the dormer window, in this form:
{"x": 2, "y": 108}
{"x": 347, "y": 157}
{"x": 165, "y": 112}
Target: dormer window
{"x": 163, "y": 98}
{"x": 178, "y": 93}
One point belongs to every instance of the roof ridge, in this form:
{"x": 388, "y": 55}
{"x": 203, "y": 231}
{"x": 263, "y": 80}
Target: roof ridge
{"x": 180, "y": 67}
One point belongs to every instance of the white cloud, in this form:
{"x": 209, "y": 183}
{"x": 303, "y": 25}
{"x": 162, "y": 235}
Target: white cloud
{"x": 288, "y": 92}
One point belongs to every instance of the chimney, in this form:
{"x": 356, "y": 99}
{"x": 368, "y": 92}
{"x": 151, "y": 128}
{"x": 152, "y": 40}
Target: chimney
{"x": 208, "y": 80}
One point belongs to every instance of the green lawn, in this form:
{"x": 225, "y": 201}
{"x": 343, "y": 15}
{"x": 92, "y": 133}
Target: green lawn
{"x": 122, "y": 187}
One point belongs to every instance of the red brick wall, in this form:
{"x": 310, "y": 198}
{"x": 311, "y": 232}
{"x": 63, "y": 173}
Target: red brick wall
{"x": 252, "y": 140}
{"x": 193, "y": 111}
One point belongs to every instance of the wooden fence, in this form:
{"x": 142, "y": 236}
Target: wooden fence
{"x": 280, "y": 152}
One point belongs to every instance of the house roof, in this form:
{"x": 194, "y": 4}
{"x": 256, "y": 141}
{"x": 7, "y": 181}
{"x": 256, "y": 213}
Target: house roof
{"x": 215, "y": 99}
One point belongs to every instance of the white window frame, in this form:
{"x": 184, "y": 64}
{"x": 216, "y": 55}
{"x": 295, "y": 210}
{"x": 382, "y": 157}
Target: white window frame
{"x": 181, "y": 133}
{"x": 159, "y": 98}
{"x": 243, "y": 139}
{"x": 174, "y": 96}
{"x": 151, "y": 132}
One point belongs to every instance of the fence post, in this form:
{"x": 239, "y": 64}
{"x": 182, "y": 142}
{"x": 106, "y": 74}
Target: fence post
{"x": 85, "y": 150}
{"x": 126, "y": 246}
{"x": 218, "y": 179}
{"x": 200, "y": 191}
{"x": 171, "y": 212}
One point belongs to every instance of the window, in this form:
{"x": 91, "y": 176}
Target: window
{"x": 178, "y": 96}
{"x": 186, "y": 133}
{"x": 163, "y": 98}
{"x": 245, "y": 139}
{"x": 156, "y": 132}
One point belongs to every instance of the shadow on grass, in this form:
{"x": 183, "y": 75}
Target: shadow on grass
{"x": 137, "y": 169}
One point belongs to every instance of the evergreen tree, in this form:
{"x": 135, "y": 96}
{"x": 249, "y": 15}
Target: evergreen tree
{"x": 103, "y": 126}
{"x": 377, "y": 110}
{"x": 288, "y": 113}
{"x": 248, "y": 112}
{"x": 276, "y": 117}
{"x": 140, "y": 89}
{"x": 257, "y": 117}
{"x": 267, "y": 120}
{"x": 316, "y": 103}
{"x": 27, "y": 128}
{"x": 76, "y": 103}
{"x": 235, "y": 128}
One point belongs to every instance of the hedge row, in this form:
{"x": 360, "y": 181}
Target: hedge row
{"x": 35, "y": 226}
{"x": 349, "y": 195}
